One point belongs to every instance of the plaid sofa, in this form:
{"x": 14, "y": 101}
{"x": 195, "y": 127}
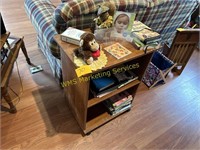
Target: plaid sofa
{"x": 164, "y": 16}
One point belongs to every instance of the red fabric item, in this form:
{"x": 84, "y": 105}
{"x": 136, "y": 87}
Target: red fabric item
{"x": 96, "y": 53}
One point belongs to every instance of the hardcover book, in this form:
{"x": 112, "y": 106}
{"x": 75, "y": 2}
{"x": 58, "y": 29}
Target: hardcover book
{"x": 102, "y": 83}
{"x": 144, "y": 33}
{"x": 125, "y": 77}
{"x": 138, "y": 26}
{"x": 72, "y": 35}
{"x": 138, "y": 46}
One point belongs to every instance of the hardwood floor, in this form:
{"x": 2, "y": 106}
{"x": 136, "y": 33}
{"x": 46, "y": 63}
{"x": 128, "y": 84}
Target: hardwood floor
{"x": 165, "y": 117}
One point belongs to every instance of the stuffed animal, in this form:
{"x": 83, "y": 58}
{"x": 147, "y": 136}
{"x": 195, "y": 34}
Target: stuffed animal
{"x": 105, "y": 15}
{"x": 89, "y": 49}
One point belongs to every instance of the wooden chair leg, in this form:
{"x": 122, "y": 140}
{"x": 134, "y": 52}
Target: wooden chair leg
{"x": 7, "y": 98}
{"x": 25, "y": 52}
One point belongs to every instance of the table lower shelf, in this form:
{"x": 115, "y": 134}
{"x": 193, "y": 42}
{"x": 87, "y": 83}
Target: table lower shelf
{"x": 98, "y": 116}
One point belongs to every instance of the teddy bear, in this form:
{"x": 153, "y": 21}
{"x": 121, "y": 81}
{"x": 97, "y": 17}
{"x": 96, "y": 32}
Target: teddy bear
{"x": 105, "y": 15}
{"x": 89, "y": 49}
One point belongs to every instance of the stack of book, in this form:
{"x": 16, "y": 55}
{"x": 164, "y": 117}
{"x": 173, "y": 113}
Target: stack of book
{"x": 144, "y": 36}
{"x": 104, "y": 85}
{"x": 119, "y": 103}
{"x": 125, "y": 77}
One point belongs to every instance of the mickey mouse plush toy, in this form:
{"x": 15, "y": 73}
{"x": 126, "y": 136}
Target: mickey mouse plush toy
{"x": 89, "y": 49}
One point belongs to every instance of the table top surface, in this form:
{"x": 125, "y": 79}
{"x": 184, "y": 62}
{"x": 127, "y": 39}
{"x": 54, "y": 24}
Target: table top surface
{"x": 69, "y": 48}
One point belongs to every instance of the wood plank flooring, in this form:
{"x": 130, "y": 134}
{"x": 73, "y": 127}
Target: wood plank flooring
{"x": 165, "y": 117}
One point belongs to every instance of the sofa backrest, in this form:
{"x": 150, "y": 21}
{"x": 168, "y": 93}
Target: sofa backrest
{"x": 164, "y": 16}
{"x": 80, "y": 13}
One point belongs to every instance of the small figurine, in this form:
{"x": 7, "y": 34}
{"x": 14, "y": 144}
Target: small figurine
{"x": 105, "y": 15}
{"x": 89, "y": 49}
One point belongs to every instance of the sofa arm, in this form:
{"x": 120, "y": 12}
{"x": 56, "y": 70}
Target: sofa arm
{"x": 40, "y": 13}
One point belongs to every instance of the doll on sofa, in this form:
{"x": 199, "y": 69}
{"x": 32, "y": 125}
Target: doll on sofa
{"x": 105, "y": 16}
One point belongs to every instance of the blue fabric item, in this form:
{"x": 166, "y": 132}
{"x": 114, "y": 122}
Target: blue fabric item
{"x": 161, "y": 61}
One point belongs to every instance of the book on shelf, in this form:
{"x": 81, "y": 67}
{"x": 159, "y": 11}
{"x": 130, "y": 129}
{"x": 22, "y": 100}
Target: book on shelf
{"x": 72, "y": 35}
{"x": 118, "y": 103}
{"x": 120, "y": 99}
{"x": 103, "y": 92}
{"x": 125, "y": 76}
{"x": 144, "y": 33}
{"x": 102, "y": 83}
{"x": 122, "y": 109}
{"x": 105, "y": 85}
{"x": 126, "y": 82}
{"x": 102, "y": 86}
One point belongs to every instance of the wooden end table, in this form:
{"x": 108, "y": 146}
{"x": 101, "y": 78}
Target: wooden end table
{"x": 8, "y": 62}
{"x": 90, "y": 111}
